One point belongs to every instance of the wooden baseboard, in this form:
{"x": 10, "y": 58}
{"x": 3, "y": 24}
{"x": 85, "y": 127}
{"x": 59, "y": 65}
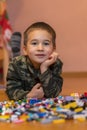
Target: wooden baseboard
{"x": 74, "y": 74}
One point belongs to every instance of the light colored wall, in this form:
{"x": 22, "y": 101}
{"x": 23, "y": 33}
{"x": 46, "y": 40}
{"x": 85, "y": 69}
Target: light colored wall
{"x": 68, "y": 18}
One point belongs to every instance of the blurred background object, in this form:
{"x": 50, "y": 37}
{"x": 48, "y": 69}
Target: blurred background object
{"x": 15, "y": 44}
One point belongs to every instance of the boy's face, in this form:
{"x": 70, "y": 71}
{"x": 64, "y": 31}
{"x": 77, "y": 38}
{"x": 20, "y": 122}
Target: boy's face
{"x": 39, "y": 46}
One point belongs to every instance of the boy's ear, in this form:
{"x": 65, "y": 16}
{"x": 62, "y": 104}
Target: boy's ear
{"x": 24, "y": 50}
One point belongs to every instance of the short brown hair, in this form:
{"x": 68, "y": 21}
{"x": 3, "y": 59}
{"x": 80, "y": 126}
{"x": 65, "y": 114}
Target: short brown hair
{"x": 40, "y": 25}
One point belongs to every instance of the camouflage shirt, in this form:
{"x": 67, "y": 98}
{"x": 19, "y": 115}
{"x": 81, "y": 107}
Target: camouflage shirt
{"x": 22, "y": 76}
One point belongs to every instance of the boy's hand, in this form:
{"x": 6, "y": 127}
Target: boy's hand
{"x": 52, "y": 59}
{"x": 36, "y": 92}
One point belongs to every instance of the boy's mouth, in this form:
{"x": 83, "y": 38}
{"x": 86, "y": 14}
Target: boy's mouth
{"x": 40, "y": 55}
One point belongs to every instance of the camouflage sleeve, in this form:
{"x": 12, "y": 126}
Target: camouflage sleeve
{"x": 52, "y": 81}
{"x": 14, "y": 84}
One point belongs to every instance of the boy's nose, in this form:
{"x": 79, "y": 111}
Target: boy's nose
{"x": 40, "y": 47}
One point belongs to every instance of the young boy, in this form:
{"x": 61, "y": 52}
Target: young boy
{"x": 37, "y": 73}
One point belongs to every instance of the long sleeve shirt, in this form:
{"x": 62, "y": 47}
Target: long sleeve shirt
{"x": 22, "y": 76}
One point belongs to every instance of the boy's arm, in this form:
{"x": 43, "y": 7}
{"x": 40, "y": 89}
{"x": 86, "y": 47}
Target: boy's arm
{"x": 14, "y": 84}
{"x": 51, "y": 80}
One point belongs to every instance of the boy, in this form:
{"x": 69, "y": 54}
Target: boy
{"x": 37, "y": 73}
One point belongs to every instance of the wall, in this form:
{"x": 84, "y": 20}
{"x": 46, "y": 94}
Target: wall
{"x": 68, "y": 18}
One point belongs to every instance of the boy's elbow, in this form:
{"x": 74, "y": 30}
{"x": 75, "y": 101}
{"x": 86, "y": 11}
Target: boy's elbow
{"x": 9, "y": 95}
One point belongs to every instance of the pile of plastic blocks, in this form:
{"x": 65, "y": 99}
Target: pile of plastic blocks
{"x": 51, "y": 110}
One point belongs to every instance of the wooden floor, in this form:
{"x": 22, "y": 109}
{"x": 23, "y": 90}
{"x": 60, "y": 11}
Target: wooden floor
{"x": 74, "y": 83}
{"x": 68, "y": 125}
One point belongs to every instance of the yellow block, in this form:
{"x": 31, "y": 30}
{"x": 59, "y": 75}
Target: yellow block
{"x": 58, "y": 121}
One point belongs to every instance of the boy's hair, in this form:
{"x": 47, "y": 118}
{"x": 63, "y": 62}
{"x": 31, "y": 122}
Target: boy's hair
{"x": 40, "y": 25}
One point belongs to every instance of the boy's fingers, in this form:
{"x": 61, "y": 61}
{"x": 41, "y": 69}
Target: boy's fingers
{"x": 38, "y": 85}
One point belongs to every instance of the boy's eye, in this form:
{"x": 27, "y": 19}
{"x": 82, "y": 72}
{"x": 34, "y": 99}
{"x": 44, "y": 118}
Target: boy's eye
{"x": 46, "y": 43}
{"x": 34, "y": 43}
